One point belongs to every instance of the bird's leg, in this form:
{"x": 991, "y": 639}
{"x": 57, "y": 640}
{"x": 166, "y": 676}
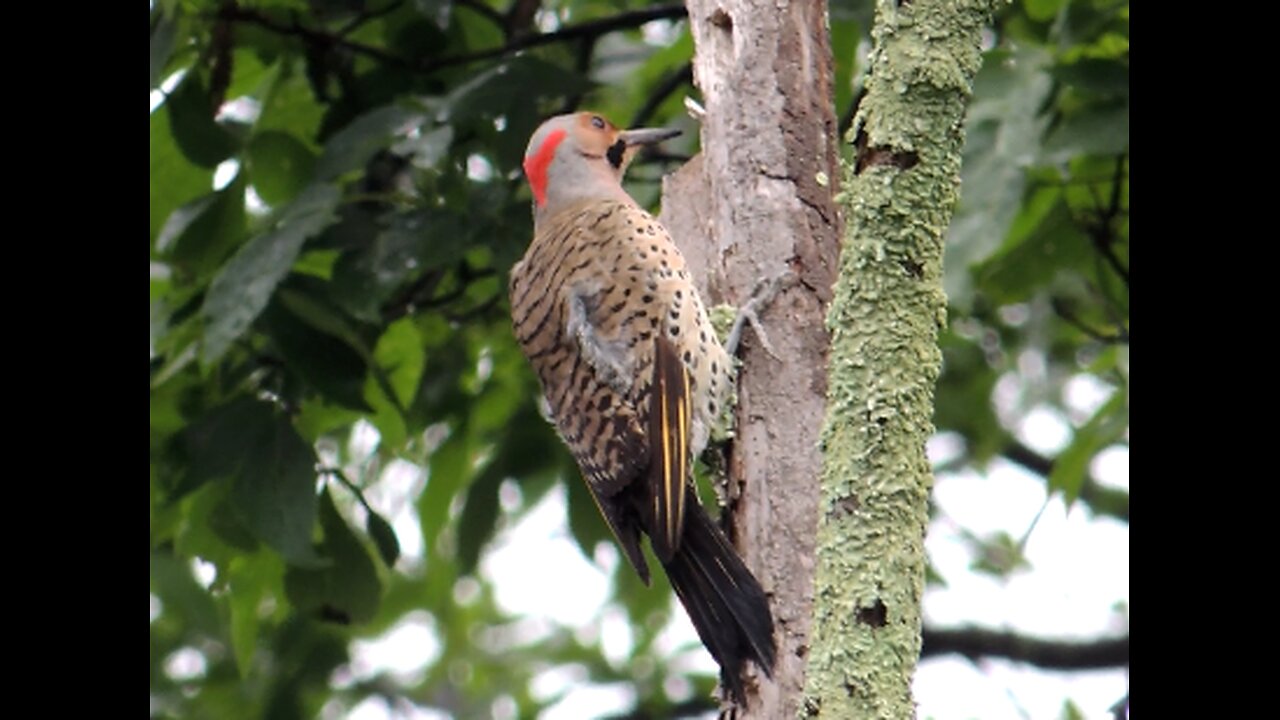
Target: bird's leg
{"x": 764, "y": 293}
{"x": 729, "y": 323}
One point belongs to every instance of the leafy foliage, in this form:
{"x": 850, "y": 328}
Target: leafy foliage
{"x": 335, "y": 201}
{"x": 1038, "y": 256}
{"x": 345, "y": 278}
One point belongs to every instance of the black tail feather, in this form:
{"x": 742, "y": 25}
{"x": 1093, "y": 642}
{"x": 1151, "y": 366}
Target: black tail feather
{"x": 724, "y": 600}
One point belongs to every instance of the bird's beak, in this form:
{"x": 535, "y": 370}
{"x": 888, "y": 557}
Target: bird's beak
{"x": 647, "y": 136}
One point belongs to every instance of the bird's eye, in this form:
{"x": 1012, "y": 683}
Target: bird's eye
{"x": 597, "y": 122}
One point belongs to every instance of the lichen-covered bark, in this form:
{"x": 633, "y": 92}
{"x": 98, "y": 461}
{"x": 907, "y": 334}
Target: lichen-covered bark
{"x": 754, "y": 205}
{"x": 885, "y": 314}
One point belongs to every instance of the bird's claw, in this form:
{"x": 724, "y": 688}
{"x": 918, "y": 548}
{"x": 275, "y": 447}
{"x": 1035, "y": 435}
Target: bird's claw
{"x": 764, "y": 293}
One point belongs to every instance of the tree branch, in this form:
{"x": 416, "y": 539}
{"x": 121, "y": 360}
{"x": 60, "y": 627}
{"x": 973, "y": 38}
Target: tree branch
{"x": 1101, "y": 500}
{"x": 670, "y": 84}
{"x": 479, "y": 310}
{"x": 693, "y": 707}
{"x": 587, "y": 30}
{"x": 975, "y": 643}
{"x": 519, "y": 18}
{"x": 320, "y": 37}
{"x": 483, "y": 10}
{"x": 1063, "y": 311}
{"x": 367, "y": 15}
{"x": 1102, "y": 240}
{"x": 586, "y": 50}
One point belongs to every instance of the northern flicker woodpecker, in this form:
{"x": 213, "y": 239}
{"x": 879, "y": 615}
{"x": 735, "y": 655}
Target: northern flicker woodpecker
{"x": 632, "y": 374}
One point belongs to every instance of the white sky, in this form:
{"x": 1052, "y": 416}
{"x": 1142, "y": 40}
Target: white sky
{"x": 1078, "y": 588}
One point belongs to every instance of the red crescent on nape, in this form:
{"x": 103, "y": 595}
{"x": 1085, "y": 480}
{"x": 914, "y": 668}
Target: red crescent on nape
{"x": 536, "y": 164}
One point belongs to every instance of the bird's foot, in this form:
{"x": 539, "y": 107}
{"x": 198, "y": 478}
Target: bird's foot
{"x": 764, "y": 293}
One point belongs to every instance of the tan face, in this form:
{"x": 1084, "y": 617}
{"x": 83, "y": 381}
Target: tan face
{"x": 583, "y": 155}
{"x": 596, "y": 137}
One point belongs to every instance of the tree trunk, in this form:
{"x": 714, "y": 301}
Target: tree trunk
{"x": 885, "y": 315}
{"x": 754, "y": 205}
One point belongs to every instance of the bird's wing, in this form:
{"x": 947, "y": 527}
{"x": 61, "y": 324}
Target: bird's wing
{"x": 670, "y": 414}
{"x": 588, "y": 307}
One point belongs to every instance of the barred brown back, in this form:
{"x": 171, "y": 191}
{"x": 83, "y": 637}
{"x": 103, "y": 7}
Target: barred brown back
{"x": 599, "y": 281}
{"x": 634, "y": 377}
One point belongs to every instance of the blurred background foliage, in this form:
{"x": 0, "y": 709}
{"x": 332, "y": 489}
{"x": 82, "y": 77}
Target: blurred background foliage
{"x": 335, "y": 203}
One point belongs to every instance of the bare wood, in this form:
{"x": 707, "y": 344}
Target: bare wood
{"x": 756, "y": 203}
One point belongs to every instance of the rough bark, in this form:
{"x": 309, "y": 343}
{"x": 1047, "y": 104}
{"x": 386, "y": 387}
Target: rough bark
{"x": 754, "y": 205}
{"x": 885, "y": 314}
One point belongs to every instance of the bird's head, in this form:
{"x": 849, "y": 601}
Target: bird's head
{"x": 582, "y": 156}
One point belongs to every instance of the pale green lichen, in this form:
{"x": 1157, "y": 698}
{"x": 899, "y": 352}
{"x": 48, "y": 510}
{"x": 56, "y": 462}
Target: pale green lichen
{"x": 722, "y": 318}
{"x": 884, "y": 363}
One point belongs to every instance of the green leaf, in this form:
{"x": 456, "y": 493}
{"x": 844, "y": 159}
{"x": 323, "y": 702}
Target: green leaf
{"x": 318, "y": 417}
{"x": 964, "y": 392}
{"x": 450, "y": 470}
{"x": 1005, "y": 125}
{"x": 308, "y": 302}
{"x": 1094, "y": 131}
{"x": 250, "y": 579}
{"x": 479, "y": 515}
{"x": 426, "y": 149}
{"x": 305, "y": 300}
{"x": 201, "y": 532}
{"x": 1043, "y": 242}
{"x": 1102, "y": 77}
{"x": 322, "y": 361}
{"x": 181, "y": 219}
{"x": 289, "y": 105}
{"x": 212, "y": 446}
{"x": 393, "y": 381}
{"x": 437, "y": 11}
{"x": 205, "y": 142}
{"x": 384, "y": 537}
{"x": 245, "y": 284}
{"x": 997, "y": 554}
{"x": 528, "y": 444}
{"x": 1071, "y": 467}
{"x": 200, "y": 235}
{"x": 183, "y": 598}
{"x": 400, "y": 354}
{"x": 280, "y": 166}
{"x": 352, "y": 147}
{"x": 227, "y": 524}
{"x": 174, "y": 180}
{"x": 585, "y": 522}
{"x": 347, "y": 589}
{"x": 504, "y": 90}
{"x": 1041, "y": 10}
{"x": 316, "y": 263}
{"x": 861, "y": 11}
{"x": 642, "y": 601}
{"x": 845, "y": 36}
{"x": 173, "y": 349}
{"x": 244, "y": 630}
{"x": 413, "y": 243}
{"x": 250, "y": 75}
{"x": 275, "y": 492}
{"x": 176, "y": 361}
{"x": 163, "y": 33}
